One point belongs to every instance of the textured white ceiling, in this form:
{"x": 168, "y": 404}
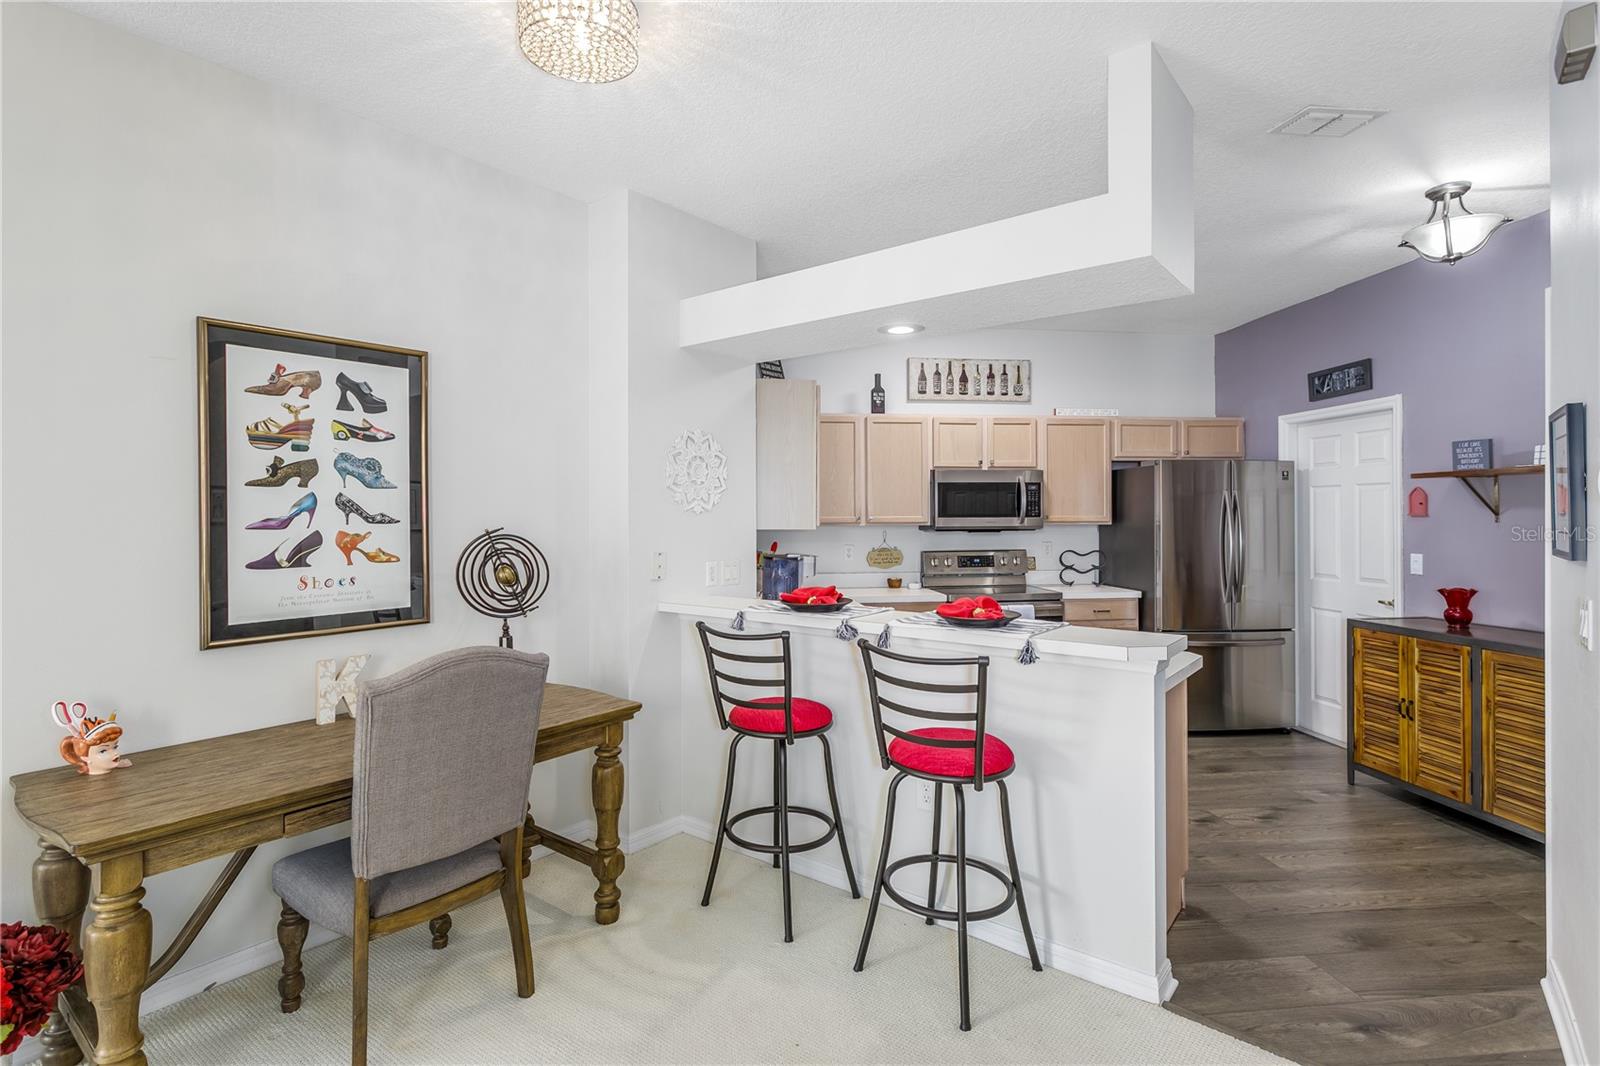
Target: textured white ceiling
{"x": 827, "y": 129}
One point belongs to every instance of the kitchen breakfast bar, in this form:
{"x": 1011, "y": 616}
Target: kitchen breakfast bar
{"x": 1097, "y": 723}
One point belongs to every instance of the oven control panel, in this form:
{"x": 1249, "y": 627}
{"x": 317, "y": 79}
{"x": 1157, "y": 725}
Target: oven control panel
{"x": 985, "y": 563}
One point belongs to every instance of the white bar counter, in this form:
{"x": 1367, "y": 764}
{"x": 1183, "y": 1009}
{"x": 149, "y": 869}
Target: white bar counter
{"x": 1087, "y": 721}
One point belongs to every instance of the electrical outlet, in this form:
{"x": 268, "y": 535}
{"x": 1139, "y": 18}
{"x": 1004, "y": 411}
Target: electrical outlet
{"x": 1049, "y": 548}
{"x": 849, "y": 551}
{"x": 658, "y": 565}
{"x": 1416, "y": 562}
{"x": 925, "y": 795}
{"x": 713, "y": 574}
{"x": 730, "y": 573}
{"x": 1033, "y": 564}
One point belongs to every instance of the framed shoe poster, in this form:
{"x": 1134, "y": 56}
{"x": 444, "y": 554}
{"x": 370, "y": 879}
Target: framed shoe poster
{"x": 313, "y": 484}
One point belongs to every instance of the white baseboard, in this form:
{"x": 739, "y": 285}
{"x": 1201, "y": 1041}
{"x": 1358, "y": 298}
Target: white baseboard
{"x": 176, "y": 987}
{"x": 1567, "y": 1031}
{"x": 1325, "y": 738}
{"x": 1152, "y": 988}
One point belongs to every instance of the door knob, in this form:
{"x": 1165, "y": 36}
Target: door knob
{"x": 1386, "y": 603}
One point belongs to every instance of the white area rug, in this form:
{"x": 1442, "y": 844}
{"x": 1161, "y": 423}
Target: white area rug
{"x": 674, "y": 982}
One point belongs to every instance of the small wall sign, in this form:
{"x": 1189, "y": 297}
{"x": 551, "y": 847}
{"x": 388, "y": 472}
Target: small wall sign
{"x": 1474, "y": 454}
{"x": 1339, "y": 380}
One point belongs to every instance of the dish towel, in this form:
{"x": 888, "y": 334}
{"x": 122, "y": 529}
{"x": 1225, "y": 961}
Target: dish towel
{"x": 845, "y": 631}
{"x": 1031, "y": 626}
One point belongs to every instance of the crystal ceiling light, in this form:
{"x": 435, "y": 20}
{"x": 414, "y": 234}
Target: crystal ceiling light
{"x": 1449, "y": 236}
{"x": 591, "y": 41}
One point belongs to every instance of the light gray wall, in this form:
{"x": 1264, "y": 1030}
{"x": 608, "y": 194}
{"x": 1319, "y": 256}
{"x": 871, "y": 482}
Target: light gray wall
{"x": 143, "y": 187}
{"x": 1572, "y": 674}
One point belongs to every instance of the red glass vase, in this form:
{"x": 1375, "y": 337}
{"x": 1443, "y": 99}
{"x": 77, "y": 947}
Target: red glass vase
{"x": 1457, "y": 613}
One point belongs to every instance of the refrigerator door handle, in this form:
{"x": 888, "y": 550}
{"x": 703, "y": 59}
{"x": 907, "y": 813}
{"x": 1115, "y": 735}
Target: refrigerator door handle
{"x": 1269, "y": 642}
{"x": 1238, "y": 550}
{"x": 1225, "y": 547}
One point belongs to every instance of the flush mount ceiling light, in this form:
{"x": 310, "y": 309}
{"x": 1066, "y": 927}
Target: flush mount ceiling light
{"x": 900, "y": 329}
{"x": 1451, "y": 233}
{"x": 591, "y": 41}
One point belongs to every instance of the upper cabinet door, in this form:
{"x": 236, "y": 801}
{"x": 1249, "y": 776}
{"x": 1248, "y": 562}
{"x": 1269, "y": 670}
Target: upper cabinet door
{"x": 1213, "y": 438}
{"x": 1076, "y": 455}
{"x": 897, "y": 469}
{"x": 1013, "y": 443}
{"x": 1147, "y": 438}
{"x": 786, "y": 454}
{"x": 957, "y": 441}
{"x": 840, "y": 470}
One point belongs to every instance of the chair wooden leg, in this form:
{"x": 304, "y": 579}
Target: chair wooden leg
{"x": 358, "y": 983}
{"x": 511, "y": 896}
{"x": 440, "y": 926}
{"x": 292, "y": 930}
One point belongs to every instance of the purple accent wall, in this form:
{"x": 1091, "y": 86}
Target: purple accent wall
{"x": 1464, "y": 345}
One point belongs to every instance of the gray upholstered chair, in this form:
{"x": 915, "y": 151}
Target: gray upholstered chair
{"x": 444, "y": 753}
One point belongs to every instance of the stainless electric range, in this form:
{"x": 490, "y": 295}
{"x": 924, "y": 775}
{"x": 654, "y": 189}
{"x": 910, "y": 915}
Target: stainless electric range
{"x": 1002, "y": 574}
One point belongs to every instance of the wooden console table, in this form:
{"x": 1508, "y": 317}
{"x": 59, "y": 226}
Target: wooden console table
{"x": 184, "y": 804}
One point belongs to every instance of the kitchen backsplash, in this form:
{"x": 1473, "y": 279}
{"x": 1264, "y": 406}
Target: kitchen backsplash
{"x": 843, "y": 549}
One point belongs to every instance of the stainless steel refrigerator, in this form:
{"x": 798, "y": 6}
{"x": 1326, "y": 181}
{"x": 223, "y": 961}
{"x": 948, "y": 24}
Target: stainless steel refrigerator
{"x": 1210, "y": 544}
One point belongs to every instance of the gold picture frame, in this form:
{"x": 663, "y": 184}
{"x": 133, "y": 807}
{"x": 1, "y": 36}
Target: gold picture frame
{"x": 291, "y": 590}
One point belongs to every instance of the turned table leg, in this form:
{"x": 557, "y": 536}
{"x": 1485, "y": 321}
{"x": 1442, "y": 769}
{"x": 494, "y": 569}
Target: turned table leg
{"x": 60, "y": 893}
{"x": 116, "y": 960}
{"x": 608, "y": 859}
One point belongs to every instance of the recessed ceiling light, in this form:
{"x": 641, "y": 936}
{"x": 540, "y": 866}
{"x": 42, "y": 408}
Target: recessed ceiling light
{"x": 900, "y": 329}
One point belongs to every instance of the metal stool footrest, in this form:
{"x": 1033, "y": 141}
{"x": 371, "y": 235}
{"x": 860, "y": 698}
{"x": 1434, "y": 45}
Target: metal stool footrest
{"x": 773, "y": 849}
{"x": 949, "y": 916}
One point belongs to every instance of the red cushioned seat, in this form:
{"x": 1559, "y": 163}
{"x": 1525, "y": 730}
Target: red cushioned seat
{"x": 950, "y": 762}
{"x": 766, "y": 715}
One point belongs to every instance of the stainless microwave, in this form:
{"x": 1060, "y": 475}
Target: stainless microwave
{"x": 975, "y": 501}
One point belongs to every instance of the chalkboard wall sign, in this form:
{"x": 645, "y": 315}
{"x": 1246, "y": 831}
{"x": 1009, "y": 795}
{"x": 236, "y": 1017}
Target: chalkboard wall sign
{"x": 1474, "y": 454}
{"x": 1340, "y": 380}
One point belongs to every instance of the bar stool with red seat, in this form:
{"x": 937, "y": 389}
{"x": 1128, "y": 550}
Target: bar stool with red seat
{"x": 782, "y": 720}
{"x": 944, "y": 754}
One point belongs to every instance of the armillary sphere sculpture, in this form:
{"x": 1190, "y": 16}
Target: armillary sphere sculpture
{"x": 503, "y": 576}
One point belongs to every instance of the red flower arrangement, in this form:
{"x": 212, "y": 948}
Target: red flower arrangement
{"x": 38, "y": 965}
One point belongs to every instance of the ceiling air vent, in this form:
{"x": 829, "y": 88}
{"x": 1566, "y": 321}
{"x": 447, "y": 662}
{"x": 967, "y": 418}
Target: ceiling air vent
{"x": 1326, "y": 121}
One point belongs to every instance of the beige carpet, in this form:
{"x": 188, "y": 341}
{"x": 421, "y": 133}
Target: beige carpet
{"x": 672, "y": 982}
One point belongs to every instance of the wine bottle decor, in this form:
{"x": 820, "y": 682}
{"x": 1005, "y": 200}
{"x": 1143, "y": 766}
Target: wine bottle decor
{"x": 964, "y": 380}
{"x": 878, "y": 394}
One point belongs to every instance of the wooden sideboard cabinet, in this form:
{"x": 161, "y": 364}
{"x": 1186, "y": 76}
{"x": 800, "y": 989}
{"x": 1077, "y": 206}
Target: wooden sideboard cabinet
{"x": 1457, "y": 717}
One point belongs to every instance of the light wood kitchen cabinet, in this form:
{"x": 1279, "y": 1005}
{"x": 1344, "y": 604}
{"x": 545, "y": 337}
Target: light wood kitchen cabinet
{"x": 841, "y": 474}
{"x": 1513, "y": 738}
{"x": 1426, "y": 700}
{"x": 1012, "y": 443}
{"x": 1212, "y": 438}
{"x": 897, "y": 464}
{"x": 1102, "y": 613}
{"x": 1076, "y": 458}
{"x": 958, "y": 442}
{"x": 1146, "y": 438}
{"x": 786, "y": 454}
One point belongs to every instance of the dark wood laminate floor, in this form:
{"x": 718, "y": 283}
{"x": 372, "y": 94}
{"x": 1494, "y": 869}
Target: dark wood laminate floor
{"x": 1337, "y": 924}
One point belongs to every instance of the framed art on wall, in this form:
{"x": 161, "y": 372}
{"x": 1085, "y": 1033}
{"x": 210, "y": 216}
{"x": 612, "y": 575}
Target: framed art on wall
{"x": 1568, "y": 473}
{"x": 969, "y": 380}
{"x": 313, "y": 484}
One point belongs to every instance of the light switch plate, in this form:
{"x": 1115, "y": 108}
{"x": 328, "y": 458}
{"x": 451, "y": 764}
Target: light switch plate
{"x": 1416, "y": 562}
{"x": 1586, "y": 624}
{"x": 730, "y": 573}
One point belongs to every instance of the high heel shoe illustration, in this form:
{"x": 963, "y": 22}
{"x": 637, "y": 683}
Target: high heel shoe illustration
{"x": 366, "y": 431}
{"x": 367, "y": 471}
{"x": 347, "y": 505}
{"x": 306, "y": 505}
{"x": 294, "y": 558}
{"x": 348, "y": 542}
{"x": 269, "y": 433}
{"x": 279, "y": 383}
{"x": 281, "y": 473}
{"x": 363, "y": 393}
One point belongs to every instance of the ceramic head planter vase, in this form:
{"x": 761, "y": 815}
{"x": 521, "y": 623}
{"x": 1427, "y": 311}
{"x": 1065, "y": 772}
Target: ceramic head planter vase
{"x": 1457, "y": 613}
{"x": 91, "y": 744}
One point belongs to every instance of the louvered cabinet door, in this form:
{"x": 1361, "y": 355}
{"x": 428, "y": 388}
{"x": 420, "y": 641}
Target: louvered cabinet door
{"x": 1441, "y": 718}
{"x": 1379, "y": 688}
{"x": 1513, "y": 738}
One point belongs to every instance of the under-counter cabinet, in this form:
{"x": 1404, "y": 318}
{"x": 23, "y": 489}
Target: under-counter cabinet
{"x": 1454, "y": 716}
{"x": 1101, "y": 613}
{"x": 897, "y": 464}
{"x": 1076, "y": 458}
{"x": 841, "y": 473}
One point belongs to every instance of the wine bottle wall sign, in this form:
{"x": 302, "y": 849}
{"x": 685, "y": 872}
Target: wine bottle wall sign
{"x": 969, "y": 380}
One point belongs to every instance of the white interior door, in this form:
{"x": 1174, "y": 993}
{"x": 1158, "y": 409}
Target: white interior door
{"x": 1348, "y": 548}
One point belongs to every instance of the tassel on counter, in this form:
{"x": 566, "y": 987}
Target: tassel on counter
{"x": 738, "y": 621}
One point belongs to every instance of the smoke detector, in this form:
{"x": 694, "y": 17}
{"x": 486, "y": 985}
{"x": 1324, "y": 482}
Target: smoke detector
{"x": 1326, "y": 121}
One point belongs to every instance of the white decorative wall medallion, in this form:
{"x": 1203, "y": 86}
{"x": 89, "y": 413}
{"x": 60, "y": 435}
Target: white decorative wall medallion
{"x": 697, "y": 471}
